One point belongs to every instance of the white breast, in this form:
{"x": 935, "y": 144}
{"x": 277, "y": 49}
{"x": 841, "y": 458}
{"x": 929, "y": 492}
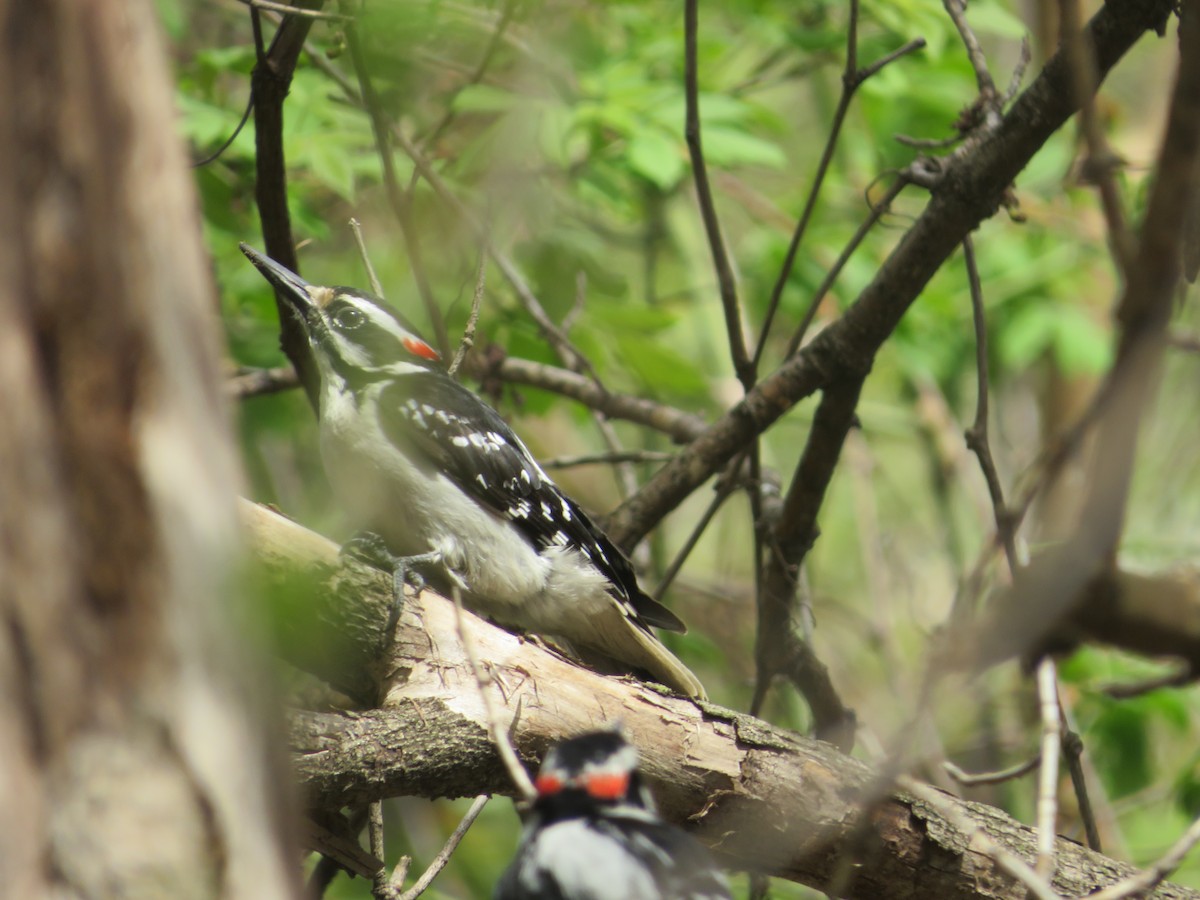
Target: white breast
{"x": 417, "y": 509}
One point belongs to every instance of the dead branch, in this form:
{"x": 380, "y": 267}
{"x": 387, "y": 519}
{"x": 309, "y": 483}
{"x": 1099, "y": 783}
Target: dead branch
{"x": 763, "y": 798}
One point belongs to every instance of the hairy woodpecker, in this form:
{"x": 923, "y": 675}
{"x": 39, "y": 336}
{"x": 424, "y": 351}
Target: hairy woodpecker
{"x": 593, "y": 834}
{"x": 422, "y": 462}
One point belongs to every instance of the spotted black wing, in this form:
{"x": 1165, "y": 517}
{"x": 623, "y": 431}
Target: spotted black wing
{"x": 437, "y": 418}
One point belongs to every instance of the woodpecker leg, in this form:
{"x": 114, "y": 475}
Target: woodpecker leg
{"x": 370, "y": 548}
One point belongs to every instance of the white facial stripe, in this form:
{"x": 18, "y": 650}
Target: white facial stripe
{"x": 348, "y": 348}
{"x": 380, "y": 319}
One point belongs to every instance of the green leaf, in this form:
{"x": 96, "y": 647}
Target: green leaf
{"x": 484, "y": 98}
{"x": 729, "y": 147}
{"x": 661, "y": 368}
{"x": 656, "y": 157}
{"x": 1026, "y": 336}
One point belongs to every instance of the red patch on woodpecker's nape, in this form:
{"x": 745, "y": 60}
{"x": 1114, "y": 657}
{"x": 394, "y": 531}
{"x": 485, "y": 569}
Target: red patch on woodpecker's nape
{"x": 418, "y": 347}
{"x": 547, "y": 785}
{"x": 606, "y": 785}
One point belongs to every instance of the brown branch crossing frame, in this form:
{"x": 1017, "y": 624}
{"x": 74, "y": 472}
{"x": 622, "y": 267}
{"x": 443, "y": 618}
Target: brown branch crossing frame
{"x": 968, "y": 190}
{"x": 764, "y": 799}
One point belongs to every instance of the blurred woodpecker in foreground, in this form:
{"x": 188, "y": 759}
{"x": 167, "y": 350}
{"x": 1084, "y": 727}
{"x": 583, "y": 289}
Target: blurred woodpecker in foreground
{"x": 593, "y": 834}
{"x": 450, "y": 490}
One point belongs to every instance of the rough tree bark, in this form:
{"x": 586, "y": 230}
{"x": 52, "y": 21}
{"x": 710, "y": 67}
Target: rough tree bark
{"x": 764, "y": 799}
{"x": 133, "y": 761}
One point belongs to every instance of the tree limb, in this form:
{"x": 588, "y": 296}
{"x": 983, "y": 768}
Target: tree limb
{"x": 969, "y": 189}
{"x": 763, "y": 798}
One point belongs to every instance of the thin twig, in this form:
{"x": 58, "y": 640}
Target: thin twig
{"x": 852, "y": 79}
{"x": 496, "y": 728}
{"x": 381, "y": 889}
{"x": 468, "y": 338}
{"x": 397, "y": 197}
{"x": 1180, "y": 676}
{"x": 1047, "y": 798}
{"x": 956, "y": 9}
{"x": 376, "y": 287}
{"x": 968, "y": 779}
{"x": 627, "y": 482}
{"x": 1018, "y": 74}
{"x": 1072, "y": 749}
{"x": 1188, "y": 342}
{"x": 559, "y": 342}
{"x": 1040, "y": 473}
{"x": 708, "y": 211}
{"x": 439, "y": 862}
{"x": 257, "y": 382}
{"x": 296, "y": 10}
{"x": 927, "y": 143}
{"x": 1150, "y": 878}
{"x": 489, "y": 52}
{"x": 1099, "y": 166}
{"x": 228, "y": 142}
{"x": 877, "y": 211}
{"x": 680, "y": 426}
{"x": 977, "y": 434}
{"x": 607, "y": 459}
{"x": 724, "y": 491}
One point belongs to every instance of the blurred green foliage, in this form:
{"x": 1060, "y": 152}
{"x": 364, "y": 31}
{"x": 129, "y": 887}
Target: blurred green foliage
{"x": 569, "y": 144}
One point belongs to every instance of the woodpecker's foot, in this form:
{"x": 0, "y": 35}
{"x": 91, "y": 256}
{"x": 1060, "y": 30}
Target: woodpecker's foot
{"x": 368, "y": 547}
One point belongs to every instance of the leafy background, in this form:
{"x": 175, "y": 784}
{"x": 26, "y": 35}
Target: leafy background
{"x": 570, "y": 146}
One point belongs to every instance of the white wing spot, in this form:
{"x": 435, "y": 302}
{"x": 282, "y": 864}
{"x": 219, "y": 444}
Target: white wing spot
{"x": 482, "y": 480}
{"x": 459, "y": 441}
{"x": 547, "y": 512}
{"x": 566, "y": 509}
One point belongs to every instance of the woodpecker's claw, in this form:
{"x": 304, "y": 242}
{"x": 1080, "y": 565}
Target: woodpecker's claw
{"x": 369, "y": 548}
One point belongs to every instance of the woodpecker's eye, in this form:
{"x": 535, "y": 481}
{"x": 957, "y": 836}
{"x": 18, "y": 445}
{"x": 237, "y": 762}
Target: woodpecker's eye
{"x": 348, "y": 318}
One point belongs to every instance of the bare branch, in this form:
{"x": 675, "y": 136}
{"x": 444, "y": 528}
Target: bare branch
{"x": 708, "y": 211}
{"x": 1100, "y": 165}
{"x": 468, "y": 338}
{"x": 496, "y": 727}
{"x": 296, "y": 10}
{"x": 852, "y": 79}
{"x": 1047, "y": 797}
{"x": 980, "y": 176}
{"x": 764, "y": 798}
{"x": 977, "y": 434}
{"x": 256, "y": 382}
{"x": 1137, "y": 885}
{"x": 607, "y": 459}
{"x": 398, "y": 198}
{"x": 356, "y": 228}
{"x": 439, "y": 862}
{"x": 967, "y": 779}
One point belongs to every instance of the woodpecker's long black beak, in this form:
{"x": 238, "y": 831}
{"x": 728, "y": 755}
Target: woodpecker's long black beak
{"x": 290, "y": 286}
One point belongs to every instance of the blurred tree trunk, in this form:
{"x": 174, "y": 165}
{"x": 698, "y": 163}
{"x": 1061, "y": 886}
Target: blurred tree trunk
{"x": 132, "y": 757}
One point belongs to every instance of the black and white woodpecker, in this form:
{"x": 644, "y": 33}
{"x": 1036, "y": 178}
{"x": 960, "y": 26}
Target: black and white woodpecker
{"x": 593, "y": 833}
{"x": 419, "y": 460}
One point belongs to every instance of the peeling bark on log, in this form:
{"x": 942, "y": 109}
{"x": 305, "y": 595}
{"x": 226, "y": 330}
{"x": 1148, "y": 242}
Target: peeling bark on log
{"x": 764, "y": 799}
